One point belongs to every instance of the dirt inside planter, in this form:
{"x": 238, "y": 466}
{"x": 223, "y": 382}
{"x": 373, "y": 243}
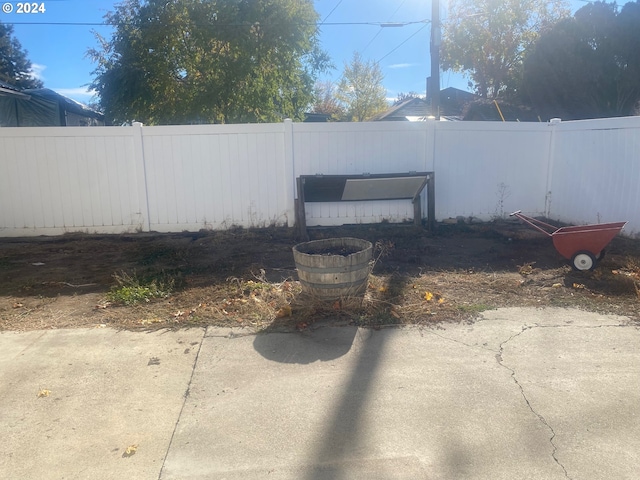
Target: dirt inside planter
{"x": 247, "y": 278}
{"x": 337, "y": 251}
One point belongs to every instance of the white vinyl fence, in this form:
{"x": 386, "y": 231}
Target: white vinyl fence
{"x": 173, "y": 178}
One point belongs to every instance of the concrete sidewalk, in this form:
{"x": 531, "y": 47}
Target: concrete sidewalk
{"x": 519, "y": 394}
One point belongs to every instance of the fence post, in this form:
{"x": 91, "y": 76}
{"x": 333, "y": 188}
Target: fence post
{"x": 431, "y": 166}
{"x": 141, "y": 176}
{"x": 550, "y": 165}
{"x": 289, "y": 170}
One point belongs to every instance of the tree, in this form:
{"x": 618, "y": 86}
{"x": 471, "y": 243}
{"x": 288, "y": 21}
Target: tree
{"x": 208, "y": 61}
{"x": 360, "y": 89}
{"x": 15, "y": 67}
{"x": 488, "y": 40}
{"x": 589, "y": 65}
{"x": 326, "y": 101}
{"x": 405, "y": 96}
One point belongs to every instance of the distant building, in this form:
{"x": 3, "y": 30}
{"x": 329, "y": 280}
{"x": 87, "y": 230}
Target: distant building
{"x": 43, "y": 107}
{"x": 412, "y": 110}
{"x": 316, "y": 117}
{"x": 453, "y": 101}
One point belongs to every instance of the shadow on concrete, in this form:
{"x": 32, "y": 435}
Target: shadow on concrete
{"x": 322, "y": 344}
{"x": 341, "y": 440}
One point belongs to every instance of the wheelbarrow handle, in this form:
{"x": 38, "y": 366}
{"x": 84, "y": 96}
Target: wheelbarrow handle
{"x": 537, "y": 224}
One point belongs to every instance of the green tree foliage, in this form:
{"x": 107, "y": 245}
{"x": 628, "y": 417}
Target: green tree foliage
{"x": 15, "y": 67}
{"x": 589, "y": 65}
{"x": 326, "y": 102}
{"x": 488, "y": 40}
{"x": 360, "y": 89}
{"x": 208, "y": 61}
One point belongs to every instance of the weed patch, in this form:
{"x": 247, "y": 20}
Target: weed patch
{"x": 129, "y": 290}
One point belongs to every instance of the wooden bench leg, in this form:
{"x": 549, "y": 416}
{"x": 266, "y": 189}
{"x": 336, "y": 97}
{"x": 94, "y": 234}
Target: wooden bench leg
{"x": 300, "y": 214}
{"x": 431, "y": 202}
{"x": 417, "y": 211}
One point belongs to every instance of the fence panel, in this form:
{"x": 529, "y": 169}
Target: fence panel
{"x": 115, "y": 179}
{"x": 488, "y": 169}
{"x": 54, "y": 180}
{"x": 596, "y": 172}
{"x": 215, "y": 176}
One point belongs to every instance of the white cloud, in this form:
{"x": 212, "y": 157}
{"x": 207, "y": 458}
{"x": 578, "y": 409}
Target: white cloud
{"x": 80, "y": 92}
{"x": 403, "y": 65}
{"x": 36, "y": 71}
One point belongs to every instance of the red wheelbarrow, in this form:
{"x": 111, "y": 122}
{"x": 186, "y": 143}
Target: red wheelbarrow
{"x": 583, "y": 245}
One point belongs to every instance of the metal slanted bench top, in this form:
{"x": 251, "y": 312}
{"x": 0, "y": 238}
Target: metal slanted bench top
{"x": 344, "y": 188}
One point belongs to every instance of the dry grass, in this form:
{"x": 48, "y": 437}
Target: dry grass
{"x": 247, "y": 279}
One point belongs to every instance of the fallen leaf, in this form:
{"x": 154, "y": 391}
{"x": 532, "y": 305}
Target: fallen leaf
{"x": 526, "y": 269}
{"x": 428, "y": 296}
{"x": 556, "y": 285}
{"x": 131, "y": 450}
{"x": 44, "y": 393}
{"x": 284, "y": 312}
{"x": 578, "y": 285}
{"x": 301, "y": 325}
{"x": 179, "y": 313}
{"x": 149, "y": 321}
{"x": 337, "y": 305}
{"x": 17, "y": 305}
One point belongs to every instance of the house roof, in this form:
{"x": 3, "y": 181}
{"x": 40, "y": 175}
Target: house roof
{"x": 452, "y": 104}
{"x": 412, "y": 107}
{"x": 67, "y": 103}
{"x": 43, "y": 107}
{"x": 316, "y": 117}
{"x": 6, "y": 89}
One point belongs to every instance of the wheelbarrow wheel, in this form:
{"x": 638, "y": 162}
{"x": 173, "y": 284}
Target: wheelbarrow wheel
{"x": 583, "y": 261}
{"x": 600, "y": 256}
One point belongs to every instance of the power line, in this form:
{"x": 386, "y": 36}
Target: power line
{"x": 329, "y": 14}
{"x": 380, "y": 31}
{"x": 405, "y": 41}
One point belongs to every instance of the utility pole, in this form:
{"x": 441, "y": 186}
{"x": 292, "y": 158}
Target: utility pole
{"x": 435, "y": 58}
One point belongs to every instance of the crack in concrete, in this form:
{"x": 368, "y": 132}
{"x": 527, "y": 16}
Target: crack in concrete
{"x": 184, "y": 402}
{"x": 469, "y": 345}
{"x": 524, "y": 396}
{"x": 500, "y": 361}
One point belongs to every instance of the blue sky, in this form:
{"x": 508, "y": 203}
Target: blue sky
{"x": 58, "y": 52}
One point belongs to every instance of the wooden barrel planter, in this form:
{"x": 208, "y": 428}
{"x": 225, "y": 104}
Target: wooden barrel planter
{"x": 334, "y": 268}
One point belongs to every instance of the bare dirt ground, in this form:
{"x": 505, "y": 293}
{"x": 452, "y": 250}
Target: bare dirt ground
{"x": 247, "y": 278}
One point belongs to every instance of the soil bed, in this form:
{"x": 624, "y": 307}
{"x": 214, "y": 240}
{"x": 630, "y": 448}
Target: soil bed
{"x": 247, "y": 278}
